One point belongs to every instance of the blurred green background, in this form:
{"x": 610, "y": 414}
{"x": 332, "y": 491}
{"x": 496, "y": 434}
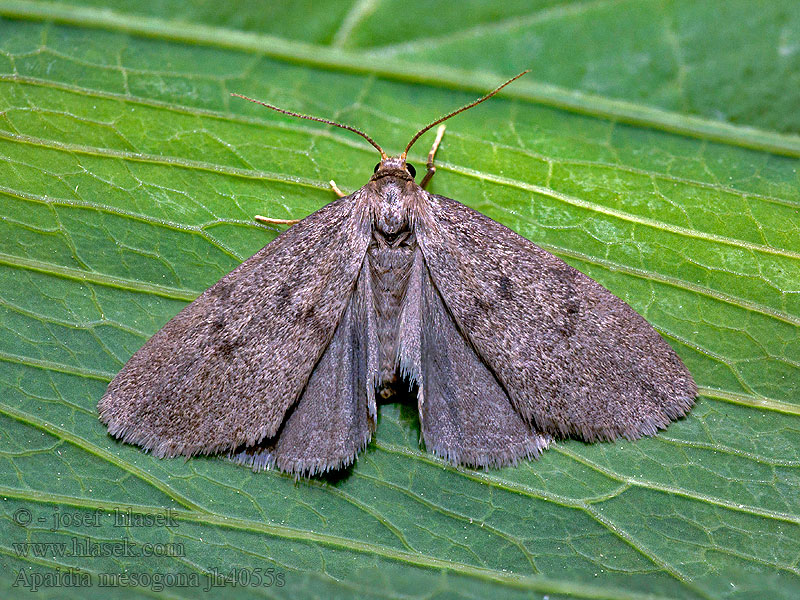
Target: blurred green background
{"x": 654, "y": 146}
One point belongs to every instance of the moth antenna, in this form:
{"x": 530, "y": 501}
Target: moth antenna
{"x": 455, "y": 112}
{"x": 310, "y": 118}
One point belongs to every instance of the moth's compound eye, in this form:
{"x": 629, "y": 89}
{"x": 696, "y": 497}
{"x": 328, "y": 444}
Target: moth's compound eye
{"x": 411, "y": 170}
{"x": 375, "y": 170}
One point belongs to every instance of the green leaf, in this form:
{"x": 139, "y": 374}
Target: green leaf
{"x": 654, "y": 146}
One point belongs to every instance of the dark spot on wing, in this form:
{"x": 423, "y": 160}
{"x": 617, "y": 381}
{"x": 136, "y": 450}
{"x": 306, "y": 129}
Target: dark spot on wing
{"x": 313, "y": 323}
{"x": 227, "y": 347}
{"x": 505, "y": 287}
{"x": 283, "y": 297}
{"x": 477, "y": 312}
{"x": 571, "y": 309}
{"x": 223, "y": 291}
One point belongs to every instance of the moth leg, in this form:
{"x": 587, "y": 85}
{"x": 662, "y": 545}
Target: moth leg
{"x": 271, "y": 221}
{"x": 336, "y": 189}
{"x": 431, "y": 155}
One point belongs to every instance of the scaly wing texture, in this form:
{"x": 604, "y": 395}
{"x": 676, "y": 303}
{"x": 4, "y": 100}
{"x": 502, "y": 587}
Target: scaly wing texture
{"x": 335, "y": 416}
{"x": 574, "y": 359}
{"x": 224, "y": 371}
{"x": 465, "y": 414}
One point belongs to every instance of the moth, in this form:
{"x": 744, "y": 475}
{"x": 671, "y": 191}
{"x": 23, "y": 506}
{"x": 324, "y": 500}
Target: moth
{"x": 280, "y": 363}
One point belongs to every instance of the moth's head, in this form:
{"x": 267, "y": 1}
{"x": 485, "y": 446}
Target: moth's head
{"x": 394, "y": 166}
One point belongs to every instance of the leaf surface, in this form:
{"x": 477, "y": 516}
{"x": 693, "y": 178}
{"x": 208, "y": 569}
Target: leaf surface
{"x": 651, "y": 148}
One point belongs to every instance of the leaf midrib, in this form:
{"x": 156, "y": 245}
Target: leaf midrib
{"x": 428, "y": 74}
{"x": 503, "y": 26}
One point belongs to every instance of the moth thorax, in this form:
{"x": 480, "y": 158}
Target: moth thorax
{"x": 391, "y": 214}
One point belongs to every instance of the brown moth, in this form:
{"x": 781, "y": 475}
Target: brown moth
{"x": 280, "y": 362}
